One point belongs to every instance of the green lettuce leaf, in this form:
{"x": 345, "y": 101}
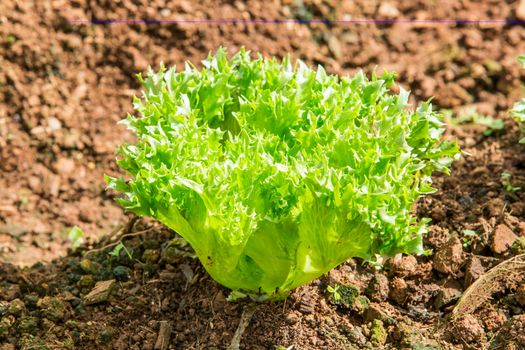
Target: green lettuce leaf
{"x": 276, "y": 173}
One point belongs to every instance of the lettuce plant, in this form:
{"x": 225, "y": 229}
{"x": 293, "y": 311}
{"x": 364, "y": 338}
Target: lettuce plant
{"x": 519, "y": 108}
{"x": 276, "y": 173}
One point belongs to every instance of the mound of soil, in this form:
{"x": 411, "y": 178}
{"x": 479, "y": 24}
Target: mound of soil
{"x": 63, "y": 87}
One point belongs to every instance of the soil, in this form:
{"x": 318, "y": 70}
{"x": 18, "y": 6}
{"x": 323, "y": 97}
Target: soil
{"x": 63, "y": 87}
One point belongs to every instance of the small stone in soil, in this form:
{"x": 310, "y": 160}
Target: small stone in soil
{"x": 31, "y": 300}
{"x": 151, "y": 244}
{"x": 73, "y": 277}
{"x": 361, "y": 305}
{"x": 449, "y": 257}
{"x": 10, "y": 292}
{"x": 403, "y": 266}
{"x": 520, "y": 10}
{"x": 292, "y": 318}
{"x": 171, "y": 255}
{"x": 473, "y": 271}
{"x": 502, "y": 239}
{"x": 398, "y": 290}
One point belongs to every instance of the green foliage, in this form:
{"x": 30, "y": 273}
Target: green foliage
{"x": 76, "y": 236}
{"x": 468, "y": 236}
{"x": 518, "y": 111}
{"x": 118, "y": 248}
{"x": 280, "y": 347}
{"x": 341, "y": 294}
{"x": 378, "y": 333}
{"x": 334, "y": 293}
{"x": 518, "y": 247}
{"x": 276, "y": 173}
{"x": 506, "y": 181}
{"x": 470, "y": 115}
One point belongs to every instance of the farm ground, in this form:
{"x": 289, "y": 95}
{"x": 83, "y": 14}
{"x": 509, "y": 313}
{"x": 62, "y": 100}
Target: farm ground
{"x": 63, "y": 86}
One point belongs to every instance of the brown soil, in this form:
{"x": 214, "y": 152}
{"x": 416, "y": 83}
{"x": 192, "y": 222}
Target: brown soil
{"x": 63, "y": 87}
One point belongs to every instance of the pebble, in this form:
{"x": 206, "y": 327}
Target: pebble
{"x": 388, "y": 10}
{"x": 360, "y": 305}
{"x": 53, "y": 124}
{"x": 473, "y": 271}
{"x": 5, "y": 325}
{"x": 31, "y": 300}
{"x": 10, "y": 292}
{"x": 465, "y": 200}
{"x": 376, "y": 311}
{"x": 356, "y": 336}
{"x": 64, "y": 166}
{"x": 502, "y": 239}
{"x": 449, "y": 257}
{"x": 520, "y": 10}
{"x": 403, "y": 266}
{"x": 86, "y": 282}
{"x": 335, "y": 47}
{"x": 105, "y": 336}
{"x": 398, "y": 290}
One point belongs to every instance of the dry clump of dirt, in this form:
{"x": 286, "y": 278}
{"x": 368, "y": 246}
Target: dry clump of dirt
{"x": 468, "y": 329}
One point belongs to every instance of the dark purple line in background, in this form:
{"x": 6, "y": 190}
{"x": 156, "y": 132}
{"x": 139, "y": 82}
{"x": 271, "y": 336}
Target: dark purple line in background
{"x": 302, "y": 21}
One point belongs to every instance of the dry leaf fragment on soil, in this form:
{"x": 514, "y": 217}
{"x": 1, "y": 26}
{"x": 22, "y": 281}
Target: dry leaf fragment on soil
{"x": 163, "y": 339}
{"x": 100, "y": 292}
{"x": 511, "y": 270}
{"x": 449, "y": 257}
